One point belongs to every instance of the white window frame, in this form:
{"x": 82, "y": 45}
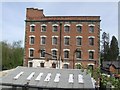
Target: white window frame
{"x": 30, "y": 39}
{"x": 29, "y": 52}
{"x": 42, "y": 26}
{"x": 41, "y": 39}
{"x": 53, "y": 26}
{"x": 31, "y": 27}
{"x": 81, "y": 55}
{"x": 41, "y": 54}
{"x": 76, "y": 40}
{"x": 53, "y": 41}
{"x": 68, "y": 26}
{"x": 64, "y": 40}
{"x": 64, "y": 52}
{"x": 93, "y": 37}
{"x": 92, "y": 26}
{"x": 56, "y": 52}
{"x": 93, "y": 54}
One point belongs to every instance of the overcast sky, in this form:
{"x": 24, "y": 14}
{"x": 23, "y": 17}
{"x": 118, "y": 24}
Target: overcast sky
{"x": 14, "y": 14}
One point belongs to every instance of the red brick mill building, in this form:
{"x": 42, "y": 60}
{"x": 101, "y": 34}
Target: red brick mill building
{"x": 61, "y": 41}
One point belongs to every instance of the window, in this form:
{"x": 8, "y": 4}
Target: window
{"x": 30, "y": 64}
{"x": 32, "y": 28}
{"x": 53, "y": 65}
{"x": 91, "y": 41}
{"x": 43, "y": 29}
{"x": 42, "y": 64}
{"x": 78, "y": 54}
{"x": 31, "y": 52}
{"x": 91, "y": 29}
{"x": 65, "y": 66}
{"x": 55, "y": 29}
{"x": 54, "y": 54}
{"x": 66, "y": 40}
{"x": 43, "y": 40}
{"x": 79, "y": 41}
{"x": 66, "y": 54}
{"x": 54, "y": 40}
{"x": 32, "y": 40}
{"x": 66, "y": 27}
{"x": 42, "y": 53}
{"x": 91, "y": 55}
{"x": 79, "y": 29}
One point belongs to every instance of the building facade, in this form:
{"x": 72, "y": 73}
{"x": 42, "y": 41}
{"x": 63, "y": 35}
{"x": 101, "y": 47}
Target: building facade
{"x": 61, "y": 41}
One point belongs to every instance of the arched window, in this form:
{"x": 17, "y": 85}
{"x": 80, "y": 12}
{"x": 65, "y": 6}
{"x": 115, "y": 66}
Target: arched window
{"x": 32, "y": 39}
{"x": 43, "y": 40}
{"x": 43, "y": 27}
{"x": 53, "y": 65}
{"x": 66, "y": 27}
{"x": 31, "y": 52}
{"x": 42, "y": 53}
{"x": 66, "y": 66}
{"x": 42, "y": 64}
{"x": 54, "y": 54}
{"x": 91, "y": 54}
{"x": 32, "y": 27}
{"x": 66, "y": 40}
{"x": 66, "y": 54}
{"x": 79, "y": 28}
{"x": 91, "y": 28}
{"x": 55, "y": 27}
{"x": 30, "y": 64}
{"x": 54, "y": 40}
{"x": 78, "y": 40}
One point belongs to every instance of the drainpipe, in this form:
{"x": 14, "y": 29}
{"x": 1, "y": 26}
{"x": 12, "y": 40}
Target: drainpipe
{"x": 60, "y": 44}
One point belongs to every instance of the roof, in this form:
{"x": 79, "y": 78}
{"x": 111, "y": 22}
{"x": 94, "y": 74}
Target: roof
{"x": 48, "y": 78}
{"x": 107, "y": 64}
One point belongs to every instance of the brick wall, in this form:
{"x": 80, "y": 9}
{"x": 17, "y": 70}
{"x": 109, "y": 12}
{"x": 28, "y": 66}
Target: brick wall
{"x": 36, "y": 16}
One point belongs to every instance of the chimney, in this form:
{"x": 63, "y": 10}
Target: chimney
{"x": 34, "y": 14}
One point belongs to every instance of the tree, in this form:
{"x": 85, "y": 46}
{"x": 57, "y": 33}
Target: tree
{"x": 114, "y": 50}
{"x": 12, "y": 55}
{"x": 105, "y": 51}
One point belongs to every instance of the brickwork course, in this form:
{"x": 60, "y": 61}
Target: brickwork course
{"x": 36, "y": 17}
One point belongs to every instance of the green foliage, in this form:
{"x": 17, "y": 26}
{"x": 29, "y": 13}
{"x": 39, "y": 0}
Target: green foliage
{"x": 78, "y": 66}
{"x": 12, "y": 55}
{"x": 109, "y": 51}
{"x": 114, "y": 50}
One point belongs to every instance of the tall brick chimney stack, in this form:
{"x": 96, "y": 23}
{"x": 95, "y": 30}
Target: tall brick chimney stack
{"x": 34, "y": 14}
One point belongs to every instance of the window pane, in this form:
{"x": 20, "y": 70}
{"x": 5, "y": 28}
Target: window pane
{"x": 42, "y": 53}
{"x": 91, "y": 55}
{"x": 79, "y": 41}
{"x": 66, "y": 42}
{"x": 31, "y": 53}
{"x": 43, "y": 40}
{"x": 66, "y": 28}
{"x": 43, "y": 28}
{"x": 54, "y": 28}
{"x": 79, "y": 29}
{"x": 54, "y": 41}
{"x": 66, "y": 54}
{"x": 42, "y": 64}
{"x": 30, "y": 64}
{"x": 91, "y": 41}
{"x": 32, "y": 40}
{"x": 78, "y": 54}
{"x": 54, "y": 53}
{"x": 91, "y": 29}
{"x": 32, "y": 28}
